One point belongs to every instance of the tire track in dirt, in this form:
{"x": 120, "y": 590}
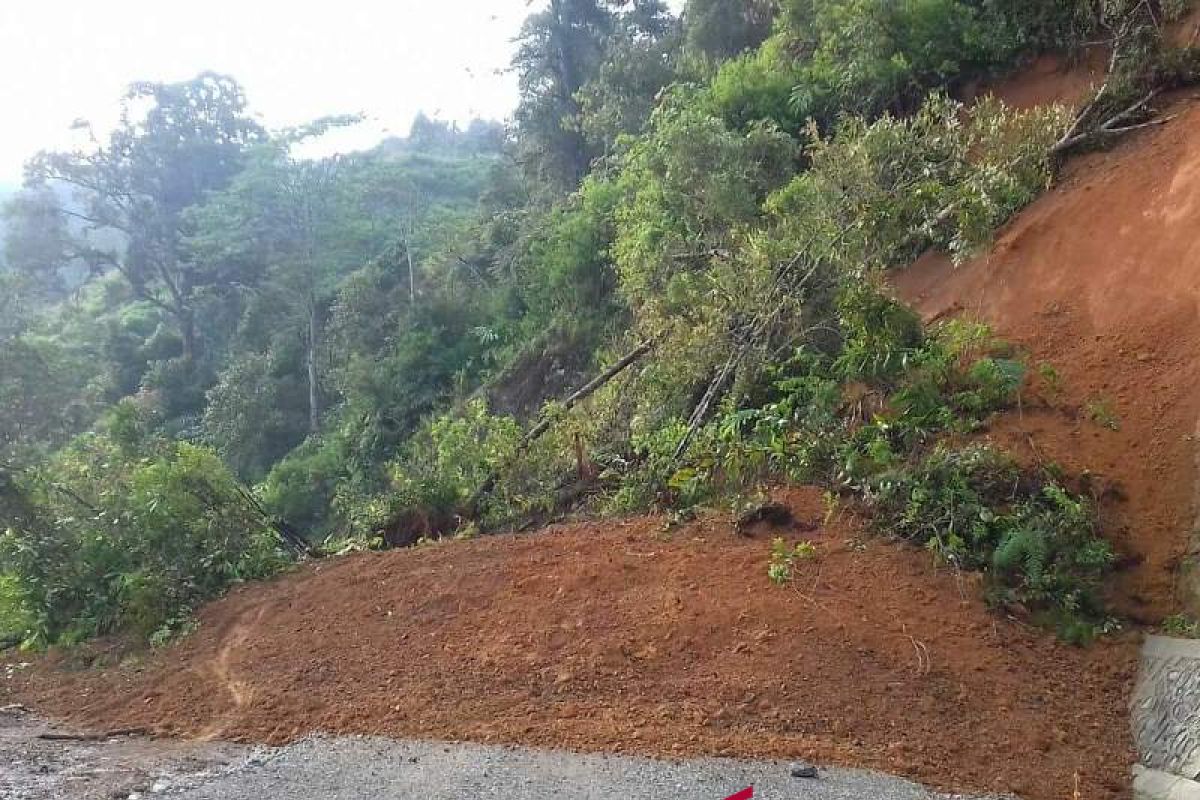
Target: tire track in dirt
{"x": 221, "y": 669}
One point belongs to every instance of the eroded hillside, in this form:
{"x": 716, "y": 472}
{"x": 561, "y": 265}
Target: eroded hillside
{"x": 1100, "y": 280}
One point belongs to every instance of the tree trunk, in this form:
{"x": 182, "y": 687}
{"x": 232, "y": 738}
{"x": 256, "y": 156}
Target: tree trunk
{"x": 314, "y": 386}
{"x": 584, "y": 392}
{"x": 570, "y": 82}
{"x": 187, "y": 332}
{"x": 412, "y": 273}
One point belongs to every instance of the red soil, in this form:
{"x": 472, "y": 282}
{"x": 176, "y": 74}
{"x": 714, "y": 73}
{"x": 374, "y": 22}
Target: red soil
{"x": 1050, "y": 79}
{"x": 1101, "y": 279}
{"x": 620, "y": 637}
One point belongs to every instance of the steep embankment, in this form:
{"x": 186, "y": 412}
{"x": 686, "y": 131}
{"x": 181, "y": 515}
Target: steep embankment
{"x": 1101, "y": 279}
{"x": 622, "y": 637}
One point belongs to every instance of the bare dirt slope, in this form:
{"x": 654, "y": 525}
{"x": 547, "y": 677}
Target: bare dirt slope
{"x": 1101, "y": 279}
{"x": 617, "y": 637}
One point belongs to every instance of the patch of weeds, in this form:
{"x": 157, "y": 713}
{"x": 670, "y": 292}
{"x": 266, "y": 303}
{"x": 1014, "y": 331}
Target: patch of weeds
{"x": 677, "y": 518}
{"x": 976, "y": 509}
{"x": 1051, "y": 381}
{"x": 1181, "y": 626}
{"x": 1100, "y": 411}
{"x": 833, "y": 507}
{"x": 174, "y": 629}
{"x": 467, "y": 531}
{"x": 785, "y": 557}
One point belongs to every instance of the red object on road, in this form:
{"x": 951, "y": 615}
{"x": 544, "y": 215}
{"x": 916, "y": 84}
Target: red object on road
{"x": 744, "y": 794}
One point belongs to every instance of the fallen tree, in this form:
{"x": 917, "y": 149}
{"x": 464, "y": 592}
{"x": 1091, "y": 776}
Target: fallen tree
{"x": 547, "y": 420}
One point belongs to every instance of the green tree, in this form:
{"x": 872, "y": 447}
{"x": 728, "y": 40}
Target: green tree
{"x": 559, "y": 51}
{"x": 640, "y": 59}
{"x": 716, "y": 30}
{"x": 174, "y": 143}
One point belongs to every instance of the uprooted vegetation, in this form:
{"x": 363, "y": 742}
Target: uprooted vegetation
{"x": 716, "y": 229}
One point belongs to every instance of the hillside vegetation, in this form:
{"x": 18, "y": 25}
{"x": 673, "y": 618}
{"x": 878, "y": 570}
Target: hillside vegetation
{"x": 658, "y": 287}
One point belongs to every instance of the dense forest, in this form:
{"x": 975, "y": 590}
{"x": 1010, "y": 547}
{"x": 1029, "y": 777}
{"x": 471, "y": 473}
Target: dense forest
{"x": 658, "y": 286}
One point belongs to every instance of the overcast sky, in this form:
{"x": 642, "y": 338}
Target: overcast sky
{"x": 68, "y": 59}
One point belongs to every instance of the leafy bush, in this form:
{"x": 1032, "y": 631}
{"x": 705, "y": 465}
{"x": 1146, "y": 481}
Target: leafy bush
{"x": 882, "y": 193}
{"x": 977, "y": 510}
{"x": 430, "y": 484}
{"x": 302, "y": 486}
{"x": 114, "y": 537}
{"x": 757, "y": 87}
{"x": 16, "y": 621}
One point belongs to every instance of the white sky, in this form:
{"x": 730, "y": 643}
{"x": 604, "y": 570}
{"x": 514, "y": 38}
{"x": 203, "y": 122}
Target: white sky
{"x": 68, "y": 59}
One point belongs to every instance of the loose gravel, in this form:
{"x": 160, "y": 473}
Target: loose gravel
{"x": 351, "y": 768}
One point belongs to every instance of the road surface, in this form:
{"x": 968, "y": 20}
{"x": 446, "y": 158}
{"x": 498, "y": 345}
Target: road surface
{"x": 355, "y": 768}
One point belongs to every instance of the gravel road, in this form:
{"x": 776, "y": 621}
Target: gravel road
{"x": 352, "y": 768}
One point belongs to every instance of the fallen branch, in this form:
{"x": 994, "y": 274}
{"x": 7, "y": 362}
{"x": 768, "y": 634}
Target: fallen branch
{"x": 1150, "y": 124}
{"x": 93, "y": 737}
{"x": 543, "y": 425}
{"x": 700, "y": 413}
{"x": 1109, "y": 126}
{"x": 287, "y": 534}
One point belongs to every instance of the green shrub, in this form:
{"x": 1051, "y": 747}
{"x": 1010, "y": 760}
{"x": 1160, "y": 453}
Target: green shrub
{"x": 109, "y": 538}
{"x": 16, "y": 620}
{"x": 430, "y": 484}
{"x": 1181, "y": 626}
{"x": 975, "y": 509}
{"x": 301, "y": 488}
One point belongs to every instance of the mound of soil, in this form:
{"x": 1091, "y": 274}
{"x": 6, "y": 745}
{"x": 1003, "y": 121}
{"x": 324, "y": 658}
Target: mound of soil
{"x": 626, "y": 637}
{"x": 1100, "y": 279}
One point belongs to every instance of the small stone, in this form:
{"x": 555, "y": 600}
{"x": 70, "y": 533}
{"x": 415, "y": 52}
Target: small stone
{"x": 802, "y": 770}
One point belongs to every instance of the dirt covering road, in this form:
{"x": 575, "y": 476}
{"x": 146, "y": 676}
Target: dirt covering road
{"x": 625, "y": 637}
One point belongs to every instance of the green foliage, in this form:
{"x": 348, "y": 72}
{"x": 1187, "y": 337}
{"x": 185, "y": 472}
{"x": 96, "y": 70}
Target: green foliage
{"x": 1182, "y": 626}
{"x": 870, "y": 56}
{"x": 121, "y": 533}
{"x": 758, "y": 87}
{"x": 884, "y": 192}
{"x": 785, "y": 557}
{"x": 255, "y": 414}
{"x": 16, "y": 620}
{"x": 977, "y": 510}
{"x": 1100, "y": 411}
{"x": 440, "y": 470}
{"x": 565, "y": 269}
{"x": 301, "y": 487}
{"x": 716, "y": 30}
